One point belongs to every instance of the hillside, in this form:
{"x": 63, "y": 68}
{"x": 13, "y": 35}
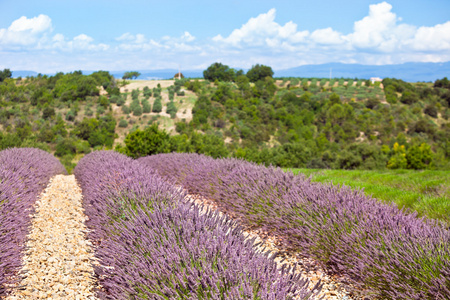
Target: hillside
{"x": 288, "y": 122}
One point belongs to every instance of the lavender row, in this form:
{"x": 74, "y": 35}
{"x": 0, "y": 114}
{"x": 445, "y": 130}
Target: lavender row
{"x": 24, "y": 173}
{"x": 396, "y": 254}
{"x": 153, "y": 244}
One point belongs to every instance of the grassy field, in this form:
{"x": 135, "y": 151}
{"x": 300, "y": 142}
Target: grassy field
{"x": 427, "y": 192}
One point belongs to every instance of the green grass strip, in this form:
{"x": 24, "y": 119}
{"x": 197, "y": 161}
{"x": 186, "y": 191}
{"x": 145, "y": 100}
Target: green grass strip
{"x": 426, "y": 192}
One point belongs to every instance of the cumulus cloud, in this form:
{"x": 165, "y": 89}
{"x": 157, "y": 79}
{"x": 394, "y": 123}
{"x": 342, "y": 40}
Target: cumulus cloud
{"x": 327, "y": 36}
{"x": 263, "y": 30}
{"x": 35, "y": 34}
{"x": 435, "y": 38}
{"x": 378, "y": 38}
{"x": 25, "y": 32}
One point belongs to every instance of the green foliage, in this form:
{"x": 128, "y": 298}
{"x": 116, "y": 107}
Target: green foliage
{"x": 6, "y": 73}
{"x": 157, "y": 106}
{"x": 220, "y": 72}
{"x": 103, "y": 101}
{"x": 146, "y": 107}
{"x": 137, "y": 110}
{"x": 48, "y": 112}
{"x": 171, "y": 109}
{"x": 135, "y": 94}
{"x": 419, "y": 157}
{"x": 114, "y": 98}
{"x": 65, "y": 146}
{"x": 150, "y": 141}
{"x": 126, "y": 109}
{"x": 123, "y": 123}
{"x": 259, "y": 72}
{"x": 431, "y": 110}
{"x": 100, "y": 110}
{"x": 98, "y": 132}
{"x": 147, "y": 92}
{"x": 131, "y": 75}
{"x": 70, "y": 116}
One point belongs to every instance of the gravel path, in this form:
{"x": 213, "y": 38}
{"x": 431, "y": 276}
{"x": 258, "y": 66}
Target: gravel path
{"x": 58, "y": 263}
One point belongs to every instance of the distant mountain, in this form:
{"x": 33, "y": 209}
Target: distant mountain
{"x": 410, "y": 72}
{"x": 23, "y": 73}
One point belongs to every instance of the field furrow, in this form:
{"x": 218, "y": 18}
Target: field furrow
{"x": 57, "y": 264}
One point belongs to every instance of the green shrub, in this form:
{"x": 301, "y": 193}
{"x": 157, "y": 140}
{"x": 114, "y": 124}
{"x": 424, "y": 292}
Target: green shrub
{"x": 123, "y": 123}
{"x": 146, "y": 107}
{"x": 114, "y": 98}
{"x": 120, "y": 101}
{"x": 137, "y": 110}
{"x": 88, "y": 112}
{"x": 100, "y": 110}
{"x": 157, "y": 106}
{"x": 70, "y": 116}
{"x": 126, "y": 109}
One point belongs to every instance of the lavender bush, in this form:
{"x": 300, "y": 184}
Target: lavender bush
{"x": 152, "y": 244}
{"x": 24, "y": 173}
{"x": 396, "y": 254}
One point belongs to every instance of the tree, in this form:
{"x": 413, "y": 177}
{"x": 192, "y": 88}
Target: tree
{"x": 131, "y": 75}
{"x": 220, "y": 72}
{"x": 419, "y": 157}
{"x": 150, "y": 141}
{"x": 6, "y": 73}
{"x": 259, "y": 72}
{"x": 157, "y": 106}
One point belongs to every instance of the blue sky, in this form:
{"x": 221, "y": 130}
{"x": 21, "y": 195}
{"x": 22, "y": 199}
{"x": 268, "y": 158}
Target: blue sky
{"x": 50, "y": 35}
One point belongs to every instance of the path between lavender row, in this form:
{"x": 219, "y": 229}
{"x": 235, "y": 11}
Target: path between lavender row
{"x": 58, "y": 262}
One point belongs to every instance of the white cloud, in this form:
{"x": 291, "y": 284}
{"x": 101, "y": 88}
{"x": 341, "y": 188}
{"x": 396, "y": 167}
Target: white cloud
{"x": 432, "y": 38}
{"x": 187, "y": 37}
{"x": 34, "y": 34}
{"x": 139, "y": 42}
{"x": 375, "y": 28}
{"x": 263, "y": 30}
{"x": 378, "y": 38}
{"x": 25, "y": 32}
{"x": 327, "y": 36}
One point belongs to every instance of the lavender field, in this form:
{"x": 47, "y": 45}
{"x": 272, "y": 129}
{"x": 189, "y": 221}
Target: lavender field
{"x": 396, "y": 254}
{"x": 152, "y": 244}
{"x": 24, "y": 173}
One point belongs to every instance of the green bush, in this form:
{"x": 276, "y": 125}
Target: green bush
{"x": 70, "y": 116}
{"x": 157, "y": 106}
{"x": 146, "y": 107}
{"x": 88, "y": 112}
{"x": 65, "y": 146}
{"x": 137, "y": 111}
{"x": 114, "y": 98}
{"x": 120, "y": 101}
{"x": 100, "y": 110}
{"x": 126, "y": 109}
{"x": 123, "y": 123}
{"x": 171, "y": 109}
